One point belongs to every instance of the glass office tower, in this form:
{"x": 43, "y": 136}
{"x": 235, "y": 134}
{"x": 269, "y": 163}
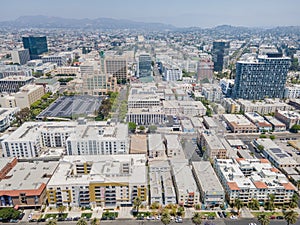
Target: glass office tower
{"x": 36, "y": 46}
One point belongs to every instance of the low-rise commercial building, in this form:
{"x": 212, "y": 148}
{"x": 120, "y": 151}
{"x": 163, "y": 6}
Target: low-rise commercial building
{"x": 212, "y": 145}
{"x": 106, "y": 181}
{"x": 211, "y": 191}
{"x": 156, "y": 147}
{"x": 24, "y": 183}
{"x": 289, "y": 118}
{"x": 239, "y": 123}
{"x": 259, "y": 121}
{"x": 173, "y": 146}
{"x": 277, "y": 126}
{"x": 275, "y": 154}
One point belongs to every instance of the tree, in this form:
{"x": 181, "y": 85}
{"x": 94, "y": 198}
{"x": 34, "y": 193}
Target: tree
{"x": 196, "y": 219}
{"x": 260, "y": 147}
{"x": 264, "y": 219}
{"x": 81, "y": 222}
{"x": 52, "y": 222}
{"x": 165, "y": 218}
{"x": 272, "y": 137}
{"x": 180, "y": 211}
{"x": 22, "y": 115}
{"x": 295, "y": 128}
{"x": 290, "y": 217}
{"x": 238, "y": 204}
{"x": 254, "y": 204}
{"x": 137, "y": 202}
{"x": 142, "y": 128}
{"x": 270, "y": 203}
{"x": 263, "y": 136}
{"x": 155, "y": 205}
{"x": 95, "y": 221}
{"x": 61, "y": 209}
{"x": 9, "y": 213}
{"x": 298, "y": 184}
{"x": 131, "y": 126}
{"x": 152, "y": 128}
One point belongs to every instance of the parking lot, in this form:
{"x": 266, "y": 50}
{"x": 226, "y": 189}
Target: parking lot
{"x": 72, "y": 106}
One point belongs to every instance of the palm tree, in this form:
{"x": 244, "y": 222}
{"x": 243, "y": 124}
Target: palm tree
{"x": 137, "y": 202}
{"x": 165, "y": 218}
{"x": 264, "y": 219}
{"x": 61, "y": 209}
{"x": 290, "y": 217}
{"x": 52, "y": 222}
{"x": 298, "y": 184}
{"x": 293, "y": 204}
{"x": 95, "y": 221}
{"x": 196, "y": 219}
{"x": 254, "y": 204}
{"x": 81, "y": 222}
{"x": 238, "y": 204}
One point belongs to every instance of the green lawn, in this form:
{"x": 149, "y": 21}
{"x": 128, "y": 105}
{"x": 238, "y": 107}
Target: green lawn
{"x": 55, "y": 215}
{"x": 110, "y": 214}
{"x": 256, "y": 214}
{"x": 86, "y": 215}
{"x": 142, "y": 214}
{"x": 207, "y": 214}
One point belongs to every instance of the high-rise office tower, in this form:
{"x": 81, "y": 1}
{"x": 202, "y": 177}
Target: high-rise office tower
{"x": 20, "y": 56}
{"x": 116, "y": 66}
{"x": 144, "y": 66}
{"x": 35, "y": 45}
{"x": 219, "y": 51}
{"x": 205, "y": 70}
{"x": 262, "y": 77}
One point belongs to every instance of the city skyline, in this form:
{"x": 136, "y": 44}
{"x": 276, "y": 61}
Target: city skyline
{"x": 180, "y": 14}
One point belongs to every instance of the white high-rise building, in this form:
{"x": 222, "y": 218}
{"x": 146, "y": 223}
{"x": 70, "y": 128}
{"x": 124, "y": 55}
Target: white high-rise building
{"x": 20, "y": 56}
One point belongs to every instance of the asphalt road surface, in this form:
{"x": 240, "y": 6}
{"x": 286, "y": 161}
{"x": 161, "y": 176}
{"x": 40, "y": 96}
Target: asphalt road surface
{"x": 185, "y": 221}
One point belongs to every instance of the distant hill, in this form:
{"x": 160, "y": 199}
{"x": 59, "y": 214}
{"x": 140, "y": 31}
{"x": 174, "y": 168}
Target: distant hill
{"x": 99, "y": 23}
{"x": 114, "y": 24}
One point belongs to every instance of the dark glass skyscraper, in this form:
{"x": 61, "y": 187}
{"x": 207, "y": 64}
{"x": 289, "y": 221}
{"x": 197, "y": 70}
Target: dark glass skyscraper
{"x": 144, "y": 66}
{"x": 36, "y": 46}
{"x": 219, "y": 50}
{"x": 261, "y": 78}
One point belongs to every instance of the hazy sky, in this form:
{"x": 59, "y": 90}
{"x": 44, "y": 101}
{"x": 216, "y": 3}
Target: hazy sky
{"x": 202, "y": 13}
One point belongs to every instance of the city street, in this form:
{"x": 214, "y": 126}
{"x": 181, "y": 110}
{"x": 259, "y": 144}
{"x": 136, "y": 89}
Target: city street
{"x": 185, "y": 221}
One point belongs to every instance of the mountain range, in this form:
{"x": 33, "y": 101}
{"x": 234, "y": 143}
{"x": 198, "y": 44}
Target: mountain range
{"x": 115, "y": 24}
{"x": 99, "y": 23}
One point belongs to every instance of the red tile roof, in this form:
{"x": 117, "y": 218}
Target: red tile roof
{"x": 275, "y": 170}
{"x": 264, "y": 161}
{"x": 233, "y": 186}
{"x": 288, "y": 186}
{"x": 260, "y": 185}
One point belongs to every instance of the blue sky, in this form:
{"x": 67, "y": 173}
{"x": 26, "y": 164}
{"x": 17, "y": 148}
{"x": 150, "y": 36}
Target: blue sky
{"x": 182, "y": 13}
